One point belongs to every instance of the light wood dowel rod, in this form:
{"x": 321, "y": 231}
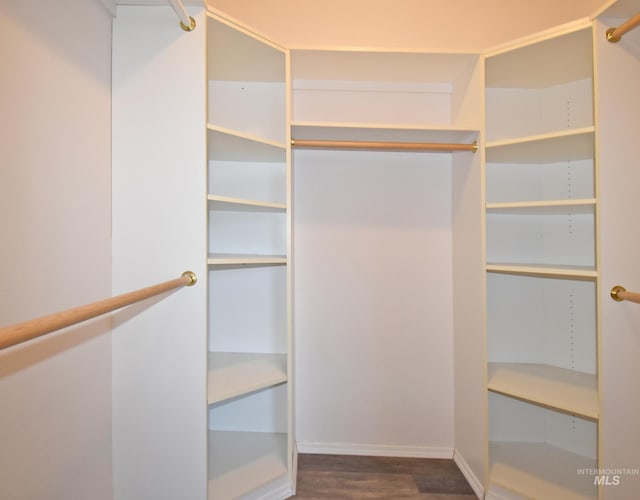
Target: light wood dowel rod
{"x": 615, "y": 34}
{"x": 383, "y": 146}
{"x": 619, "y": 293}
{"x": 27, "y": 330}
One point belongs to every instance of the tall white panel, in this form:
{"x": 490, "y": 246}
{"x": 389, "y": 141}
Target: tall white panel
{"x": 618, "y": 77}
{"x": 159, "y": 231}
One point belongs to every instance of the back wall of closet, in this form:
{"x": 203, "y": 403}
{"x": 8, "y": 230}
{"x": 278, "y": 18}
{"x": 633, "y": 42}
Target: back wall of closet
{"x": 373, "y": 301}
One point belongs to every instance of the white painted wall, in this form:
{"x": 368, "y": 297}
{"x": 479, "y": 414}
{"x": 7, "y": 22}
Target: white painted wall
{"x": 55, "y": 248}
{"x": 463, "y": 25}
{"x": 159, "y": 231}
{"x": 373, "y": 303}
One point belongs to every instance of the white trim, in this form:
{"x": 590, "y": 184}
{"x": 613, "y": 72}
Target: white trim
{"x": 374, "y": 450}
{"x": 281, "y": 493}
{"x": 468, "y": 474}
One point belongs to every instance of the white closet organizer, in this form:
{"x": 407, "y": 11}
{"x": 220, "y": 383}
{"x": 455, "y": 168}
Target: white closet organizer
{"x": 249, "y": 389}
{"x": 541, "y": 267}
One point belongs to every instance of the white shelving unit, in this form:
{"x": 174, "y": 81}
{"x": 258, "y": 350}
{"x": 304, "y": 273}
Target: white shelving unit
{"x": 251, "y": 451}
{"x": 541, "y": 204}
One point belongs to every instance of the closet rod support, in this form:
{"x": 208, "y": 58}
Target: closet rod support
{"x": 187, "y": 23}
{"x": 619, "y": 293}
{"x": 615, "y": 34}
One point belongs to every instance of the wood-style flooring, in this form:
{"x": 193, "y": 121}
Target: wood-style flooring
{"x": 351, "y": 477}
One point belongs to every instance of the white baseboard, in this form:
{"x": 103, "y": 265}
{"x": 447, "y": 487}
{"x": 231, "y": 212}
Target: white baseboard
{"x": 471, "y": 478}
{"x": 374, "y": 450}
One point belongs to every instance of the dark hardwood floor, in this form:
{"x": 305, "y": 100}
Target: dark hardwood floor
{"x": 350, "y": 477}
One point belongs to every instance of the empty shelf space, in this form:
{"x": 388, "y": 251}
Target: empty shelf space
{"x": 242, "y": 462}
{"x": 538, "y": 470}
{"x": 551, "y": 207}
{"x": 235, "y": 374}
{"x": 544, "y": 270}
{"x": 228, "y": 259}
{"x": 229, "y": 203}
{"x": 558, "y": 388}
{"x": 573, "y": 144}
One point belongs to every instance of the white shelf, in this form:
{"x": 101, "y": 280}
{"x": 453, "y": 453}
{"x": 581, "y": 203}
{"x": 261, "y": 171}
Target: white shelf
{"x": 369, "y": 132}
{"x": 228, "y": 259}
{"x": 233, "y": 145}
{"x": 566, "y": 390}
{"x": 548, "y": 207}
{"x": 237, "y": 374}
{"x": 566, "y": 145}
{"x": 571, "y": 272}
{"x": 230, "y": 203}
{"x": 242, "y": 462}
{"x": 538, "y": 470}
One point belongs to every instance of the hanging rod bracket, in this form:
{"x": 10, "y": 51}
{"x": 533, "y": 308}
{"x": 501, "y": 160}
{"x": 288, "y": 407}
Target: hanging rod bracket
{"x": 192, "y": 24}
{"x": 615, "y": 291}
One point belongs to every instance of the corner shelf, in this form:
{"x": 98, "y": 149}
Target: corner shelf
{"x": 550, "y": 207}
{"x": 228, "y": 144}
{"x": 572, "y": 144}
{"x": 566, "y": 390}
{"x": 241, "y": 463}
{"x": 570, "y": 272}
{"x": 237, "y": 374}
{"x": 538, "y": 470}
{"x": 228, "y": 259}
{"x": 231, "y": 203}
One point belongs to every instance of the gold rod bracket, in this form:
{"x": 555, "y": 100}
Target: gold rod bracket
{"x": 192, "y": 277}
{"x": 475, "y": 147}
{"x": 611, "y": 36}
{"x": 191, "y": 27}
{"x": 615, "y": 291}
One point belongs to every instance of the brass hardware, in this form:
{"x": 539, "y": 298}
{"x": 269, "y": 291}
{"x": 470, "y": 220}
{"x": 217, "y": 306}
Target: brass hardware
{"x": 614, "y": 292}
{"x": 475, "y": 147}
{"x": 611, "y": 37}
{"x": 192, "y": 277}
{"x": 293, "y": 142}
{"x": 191, "y": 27}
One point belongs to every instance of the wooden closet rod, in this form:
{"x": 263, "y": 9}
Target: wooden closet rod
{"x": 619, "y": 293}
{"x": 383, "y": 146}
{"x": 187, "y": 22}
{"x": 615, "y": 34}
{"x": 27, "y": 330}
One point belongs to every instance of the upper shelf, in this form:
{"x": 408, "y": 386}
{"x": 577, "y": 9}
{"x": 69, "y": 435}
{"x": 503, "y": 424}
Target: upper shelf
{"x": 233, "y": 145}
{"x": 227, "y": 259}
{"x": 566, "y": 145}
{"x": 368, "y": 132}
{"x": 553, "y": 61}
{"x": 551, "y": 207}
{"x": 544, "y": 270}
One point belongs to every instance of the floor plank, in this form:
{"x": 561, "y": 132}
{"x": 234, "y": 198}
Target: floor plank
{"x": 355, "y": 477}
